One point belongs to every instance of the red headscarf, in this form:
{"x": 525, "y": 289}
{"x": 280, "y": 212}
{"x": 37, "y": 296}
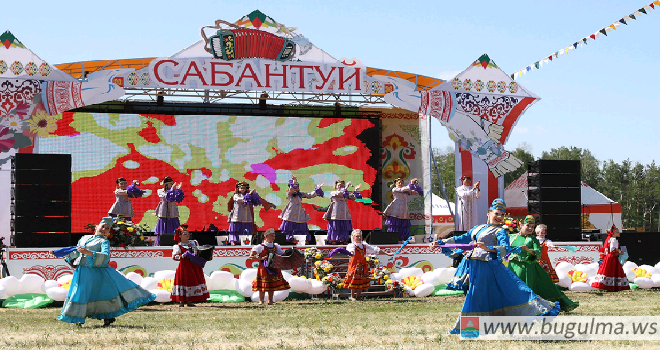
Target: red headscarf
{"x": 606, "y": 244}
{"x": 178, "y": 231}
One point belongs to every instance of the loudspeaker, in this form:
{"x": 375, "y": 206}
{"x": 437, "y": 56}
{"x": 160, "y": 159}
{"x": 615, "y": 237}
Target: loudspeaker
{"x": 643, "y": 247}
{"x": 42, "y": 192}
{"x": 204, "y": 237}
{"x": 554, "y": 194}
{"x": 382, "y": 237}
{"x": 32, "y": 161}
{"x": 554, "y": 180}
{"x": 167, "y": 239}
{"x": 37, "y": 240}
{"x": 547, "y": 207}
{"x": 547, "y": 166}
{"x": 27, "y": 224}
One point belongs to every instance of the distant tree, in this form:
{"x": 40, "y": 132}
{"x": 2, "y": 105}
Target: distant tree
{"x": 590, "y": 166}
{"x": 444, "y": 158}
{"x": 524, "y": 153}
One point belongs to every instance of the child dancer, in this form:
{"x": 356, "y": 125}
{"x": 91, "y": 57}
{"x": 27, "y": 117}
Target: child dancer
{"x": 338, "y": 216}
{"x": 189, "y": 283}
{"x": 123, "y": 208}
{"x": 241, "y": 212}
{"x": 268, "y": 279}
{"x": 168, "y": 210}
{"x": 610, "y": 274}
{"x": 294, "y": 218}
{"x": 544, "y": 259}
{"x": 357, "y": 277}
{"x": 396, "y": 214}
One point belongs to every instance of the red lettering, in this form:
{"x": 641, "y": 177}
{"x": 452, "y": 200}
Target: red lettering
{"x": 252, "y": 76}
{"x": 355, "y": 74}
{"x": 301, "y": 74}
{"x": 214, "y": 72}
{"x": 157, "y": 75}
{"x": 283, "y": 75}
{"x": 325, "y": 79}
{"x": 197, "y": 73}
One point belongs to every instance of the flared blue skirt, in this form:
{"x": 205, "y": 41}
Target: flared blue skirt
{"x": 100, "y": 293}
{"x": 461, "y": 279}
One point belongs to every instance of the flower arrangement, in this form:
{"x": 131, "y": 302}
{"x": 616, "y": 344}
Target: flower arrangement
{"x": 313, "y": 254}
{"x": 412, "y": 281}
{"x": 380, "y": 273}
{"x": 511, "y": 225}
{"x": 322, "y": 269}
{"x": 577, "y": 276}
{"x": 333, "y": 281}
{"x": 125, "y": 233}
{"x": 640, "y": 272}
{"x": 246, "y": 241}
{"x": 373, "y": 261}
{"x": 394, "y": 286}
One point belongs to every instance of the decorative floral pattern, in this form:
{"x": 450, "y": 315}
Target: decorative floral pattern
{"x": 513, "y": 87}
{"x": 3, "y": 66}
{"x": 16, "y": 67}
{"x": 501, "y": 87}
{"x": 467, "y": 84}
{"x": 13, "y": 122}
{"x": 45, "y": 69}
{"x": 491, "y": 86}
{"x": 478, "y": 85}
{"x": 42, "y": 124}
{"x": 31, "y": 69}
{"x": 145, "y": 78}
{"x": 456, "y": 84}
{"x": 491, "y": 108}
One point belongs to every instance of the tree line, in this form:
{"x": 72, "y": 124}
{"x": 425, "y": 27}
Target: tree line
{"x": 633, "y": 185}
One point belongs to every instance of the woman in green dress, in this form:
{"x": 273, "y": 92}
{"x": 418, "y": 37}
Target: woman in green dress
{"x": 525, "y": 265}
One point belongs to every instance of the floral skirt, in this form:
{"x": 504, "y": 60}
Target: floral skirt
{"x": 189, "y": 283}
{"x": 267, "y": 282}
{"x": 610, "y": 275}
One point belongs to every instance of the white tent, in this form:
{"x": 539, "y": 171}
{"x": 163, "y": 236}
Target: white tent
{"x": 598, "y": 211}
{"x": 442, "y": 220}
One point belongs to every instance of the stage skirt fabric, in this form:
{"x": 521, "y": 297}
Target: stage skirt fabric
{"x": 189, "y": 283}
{"x": 339, "y": 230}
{"x": 100, "y": 293}
{"x": 495, "y": 291}
{"x": 611, "y": 276}
{"x": 402, "y": 226}
{"x": 165, "y": 225}
{"x": 545, "y": 263}
{"x": 540, "y": 282}
{"x": 298, "y": 228}
{"x": 239, "y": 228}
{"x": 461, "y": 279}
{"x": 357, "y": 276}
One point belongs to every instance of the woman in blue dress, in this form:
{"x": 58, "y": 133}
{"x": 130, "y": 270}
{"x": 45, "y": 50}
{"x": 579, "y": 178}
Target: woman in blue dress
{"x": 97, "y": 290}
{"x": 494, "y": 290}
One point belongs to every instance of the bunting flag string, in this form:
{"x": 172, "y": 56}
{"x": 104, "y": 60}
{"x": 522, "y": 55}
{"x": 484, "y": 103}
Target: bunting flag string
{"x": 612, "y": 27}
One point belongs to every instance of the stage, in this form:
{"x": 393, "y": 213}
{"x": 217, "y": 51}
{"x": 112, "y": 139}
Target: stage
{"x": 148, "y": 260}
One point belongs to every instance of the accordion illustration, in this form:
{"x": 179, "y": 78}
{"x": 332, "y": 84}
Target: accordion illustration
{"x": 236, "y": 44}
{"x": 291, "y": 259}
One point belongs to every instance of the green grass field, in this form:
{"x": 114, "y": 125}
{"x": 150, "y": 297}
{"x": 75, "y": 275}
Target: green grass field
{"x": 408, "y": 323}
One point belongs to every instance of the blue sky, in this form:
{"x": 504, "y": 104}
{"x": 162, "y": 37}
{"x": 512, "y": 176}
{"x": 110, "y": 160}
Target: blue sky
{"x": 600, "y": 97}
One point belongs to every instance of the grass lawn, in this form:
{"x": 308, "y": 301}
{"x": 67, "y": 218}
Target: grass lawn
{"x": 409, "y": 323}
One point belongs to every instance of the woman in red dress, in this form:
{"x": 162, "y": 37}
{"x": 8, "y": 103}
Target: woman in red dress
{"x": 268, "y": 279}
{"x": 544, "y": 260}
{"x": 189, "y": 282}
{"x": 611, "y": 276}
{"x": 357, "y": 276}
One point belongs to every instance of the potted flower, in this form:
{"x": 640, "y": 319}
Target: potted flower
{"x": 125, "y": 233}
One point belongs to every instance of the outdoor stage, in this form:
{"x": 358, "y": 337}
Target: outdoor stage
{"x": 148, "y": 260}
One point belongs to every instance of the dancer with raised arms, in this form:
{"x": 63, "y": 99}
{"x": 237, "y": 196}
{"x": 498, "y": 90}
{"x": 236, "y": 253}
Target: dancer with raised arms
{"x": 294, "y": 217}
{"x": 396, "y": 213}
{"x": 338, "y": 216}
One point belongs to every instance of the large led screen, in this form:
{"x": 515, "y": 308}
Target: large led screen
{"x": 209, "y": 154}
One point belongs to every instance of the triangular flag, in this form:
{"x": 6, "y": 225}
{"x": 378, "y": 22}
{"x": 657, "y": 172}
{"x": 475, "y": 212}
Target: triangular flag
{"x": 638, "y": 13}
{"x": 529, "y": 68}
{"x": 642, "y": 11}
{"x": 593, "y": 36}
{"x": 612, "y": 26}
{"x": 575, "y": 45}
{"x": 652, "y": 6}
{"x": 603, "y": 31}
{"x": 584, "y": 40}
{"x": 647, "y": 8}
{"x": 550, "y": 57}
{"x": 536, "y": 64}
{"x": 623, "y": 21}
{"x": 633, "y": 16}
{"x": 566, "y": 49}
{"x": 657, "y": 2}
{"x": 557, "y": 54}
{"x": 545, "y": 60}
{"x": 513, "y": 76}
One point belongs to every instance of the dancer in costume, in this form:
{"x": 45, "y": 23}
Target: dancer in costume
{"x": 268, "y": 279}
{"x": 168, "y": 209}
{"x": 525, "y": 266}
{"x": 357, "y": 276}
{"x": 544, "y": 259}
{"x": 466, "y": 204}
{"x": 123, "y": 208}
{"x": 189, "y": 283}
{"x": 241, "y": 212}
{"x": 396, "y": 214}
{"x": 495, "y": 290}
{"x": 97, "y": 290}
{"x": 294, "y": 217}
{"x": 611, "y": 276}
{"x": 338, "y": 216}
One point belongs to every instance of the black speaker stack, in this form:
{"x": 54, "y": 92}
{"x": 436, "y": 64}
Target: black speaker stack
{"x": 555, "y": 197}
{"x": 41, "y": 200}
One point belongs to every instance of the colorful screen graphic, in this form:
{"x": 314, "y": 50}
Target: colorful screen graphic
{"x": 209, "y": 154}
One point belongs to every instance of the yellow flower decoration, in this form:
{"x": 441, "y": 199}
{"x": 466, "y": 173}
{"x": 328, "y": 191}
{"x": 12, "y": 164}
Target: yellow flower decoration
{"x": 386, "y": 277}
{"x": 317, "y": 263}
{"x": 66, "y": 285}
{"x": 577, "y": 276}
{"x": 640, "y": 272}
{"x": 142, "y": 238}
{"x": 318, "y": 255}
{"x": 412, "y": 281}
{"x": 166, "y": 284}
{"x": 130, "y": 229}
{"x": 42, "y": 124}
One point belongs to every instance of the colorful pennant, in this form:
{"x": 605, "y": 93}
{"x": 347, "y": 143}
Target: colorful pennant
{"x": 624, "y": 20}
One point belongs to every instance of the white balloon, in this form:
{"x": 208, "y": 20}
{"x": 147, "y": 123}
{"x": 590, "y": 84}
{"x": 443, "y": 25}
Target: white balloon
{"x": 287, "y": 276}
{"x": 221, "y": 280}
{"x": 594, "y": 266}
{"x": 3, "y": 291}
{"x": 411, "y": 271}
{"x": 64, "y": 279}
{"x": 445, "y": 274}
{"x": 317, "y": 287}
{"x": 649, "y": 268}
{"x": 656, "y": 280}
{"x": 149, "y": 283}
{"x": 424, "y": 290}
{"x": 565, "y": 280}
{"x": 630, "y": 274}
{"x": 49, "y": 284}
{"x": 581, "y": 287}
{"x": 588, "y": 270}
{"x": 255, "y": 297}
{"x": 162, "y": 296}
{"x": 234, "y": 284}
{"x": 249, "y": 275}
{"x": 244, "y": 288}
{"x": 134, "y": 277}
{"x": 164, "y": 274}
{"x": 591, "y": 281}
{"x": 643, "y": 282}
{"x": 629, "y": 265}
{"x": 395, "y": 276}
{"x": 57, "y": 293}
{"x": 409, "y": 290}
{"x": 12, "y": 285}
{"x": 280, "y": 295}
{"x": 432, "y": 278}
{"x": 563, "y": 268}
{"x": 657, "y": 266}
{"x": 300, "y": 285}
